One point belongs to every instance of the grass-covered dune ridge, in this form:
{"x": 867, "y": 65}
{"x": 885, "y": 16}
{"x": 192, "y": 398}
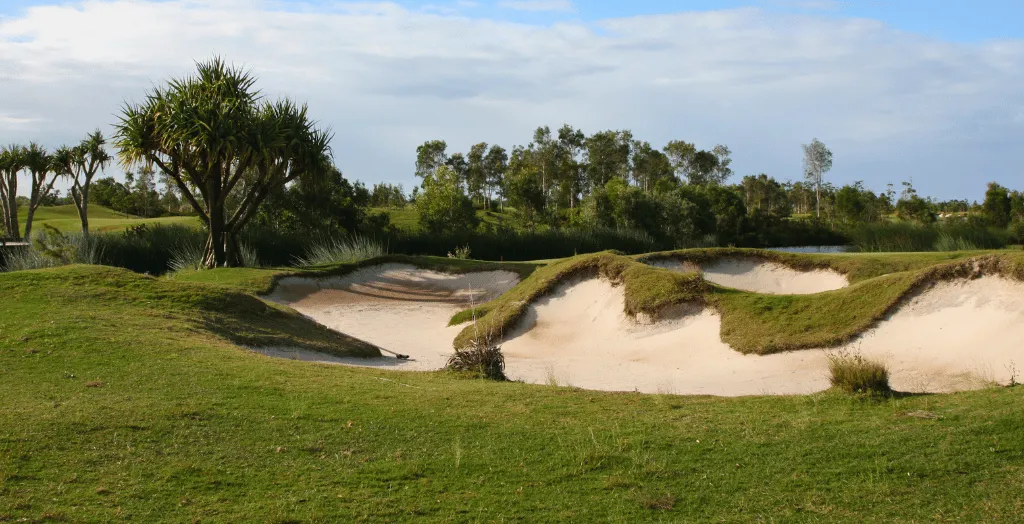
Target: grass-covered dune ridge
{"x": 120, "y": 403}
{"x": 752, "y": 322}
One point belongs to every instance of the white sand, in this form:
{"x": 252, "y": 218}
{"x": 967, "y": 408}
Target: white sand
{"x": 761, "y": 277}
{"x": 957, "y": 335}
{"x": 399, "y": 308}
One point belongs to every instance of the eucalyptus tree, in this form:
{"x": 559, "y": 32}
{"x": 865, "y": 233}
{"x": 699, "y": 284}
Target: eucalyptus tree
{"x": 680, "y": 155}
{"x": 607, "y": 155}
{"x": 430, "y": 156}
{"x": 571, "y": 168}
{"x": 216, "y": 137}
{"x": 12, "y": 162}
{"x": 721, "y": 172}
{"x": 39, "y": 164}
{"x": 495, "y": 167}
{"x": 817, "y": 162}
{"x": 80, "y": 164}
{"x": 476, "y": 172}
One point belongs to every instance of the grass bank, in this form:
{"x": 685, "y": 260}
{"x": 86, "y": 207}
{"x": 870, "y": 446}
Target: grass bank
{"x": 122, "y": 403}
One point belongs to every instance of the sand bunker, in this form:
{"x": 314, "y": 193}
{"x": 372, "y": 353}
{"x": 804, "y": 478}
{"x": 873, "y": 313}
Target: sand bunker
{"x": 400, "y": 308}
{"x": 955, "y": 336}
{"x": 761, "y": 276}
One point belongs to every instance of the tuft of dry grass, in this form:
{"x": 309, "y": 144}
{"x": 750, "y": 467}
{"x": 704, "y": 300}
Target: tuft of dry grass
{"x": 480, "y": 358}
{"x": 856, "y": 374}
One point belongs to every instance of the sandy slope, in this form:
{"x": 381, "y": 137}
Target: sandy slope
{"x": 400, "y": 308}
{"x": 955, "y": 335}
{"x": 761, "y": 277}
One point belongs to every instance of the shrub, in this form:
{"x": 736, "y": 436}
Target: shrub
{"x": 461, "y": 253}
{"x": 50, "y": 248}
{"x": 341, "y": 250}
{"x": 481, "y": 358}
{"x": 855, "y": 374}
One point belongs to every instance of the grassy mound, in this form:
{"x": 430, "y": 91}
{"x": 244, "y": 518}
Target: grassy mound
{"x": 119, "y": 299}
{"x": 752, "y": 322}
{"x": 124, "y": 399}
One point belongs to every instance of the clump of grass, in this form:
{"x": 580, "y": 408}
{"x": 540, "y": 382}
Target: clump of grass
{"x": 341, "y": 250}
{"x": 187, "y": 256}
{"x": 481, "y": 358}
{"x": 856, "y": 374}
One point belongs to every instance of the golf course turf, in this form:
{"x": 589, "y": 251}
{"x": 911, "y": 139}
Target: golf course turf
{"x": 131, "y": 397}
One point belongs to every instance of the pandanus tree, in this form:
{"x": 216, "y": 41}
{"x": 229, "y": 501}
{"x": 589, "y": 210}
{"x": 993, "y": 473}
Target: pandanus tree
{"x": 39, "y": 164}
{"x": 12, "y": 162}
{"x": 224, "y": 147}
{"x": 80, "y": 164}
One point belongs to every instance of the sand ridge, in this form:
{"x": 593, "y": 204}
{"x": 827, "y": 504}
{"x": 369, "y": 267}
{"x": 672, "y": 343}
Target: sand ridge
{"x": 760, "y": 276}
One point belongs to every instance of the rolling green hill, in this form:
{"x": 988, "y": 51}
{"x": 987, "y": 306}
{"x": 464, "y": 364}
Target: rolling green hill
{"x": 407, "y": 219}
{"x": 65, "y": 218}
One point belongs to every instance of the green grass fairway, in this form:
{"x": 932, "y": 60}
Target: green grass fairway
{"x": 407, "y": 219}
{"x": 127, "y": 397}
{"x": 65, "y": 218}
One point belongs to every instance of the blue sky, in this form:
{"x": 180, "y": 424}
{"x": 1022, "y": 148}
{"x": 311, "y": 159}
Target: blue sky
{"x": 954, "y": 20}
{"x": 928, "y": 90}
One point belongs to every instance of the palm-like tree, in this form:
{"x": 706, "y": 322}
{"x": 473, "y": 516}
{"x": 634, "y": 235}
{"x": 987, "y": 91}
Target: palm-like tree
{"x": 38, "y": 162}
{"x": 214, "y": 136}
{"x": 80, "y": 164}
{"x": 12, "y": 161}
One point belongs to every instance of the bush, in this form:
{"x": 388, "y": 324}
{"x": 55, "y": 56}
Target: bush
{"x": 480, "y": 358}
{"x": 147, "y": 248}
{"x": 855, "y": 374}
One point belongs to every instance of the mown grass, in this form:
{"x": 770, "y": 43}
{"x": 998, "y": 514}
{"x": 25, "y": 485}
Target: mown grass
{"x": 408, "y": 218}
{"x": 120, "y": 403}
{"x": 101, "y": 219}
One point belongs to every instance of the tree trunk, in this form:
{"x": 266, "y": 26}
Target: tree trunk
{"x": 215, "y": 252}
{"x": 28, "y": 222}
{"x": 817, "y": 196}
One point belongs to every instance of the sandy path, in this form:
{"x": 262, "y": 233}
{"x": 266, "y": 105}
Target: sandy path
{"x": 399, "y": 308}
{"x": 761, "y": 277}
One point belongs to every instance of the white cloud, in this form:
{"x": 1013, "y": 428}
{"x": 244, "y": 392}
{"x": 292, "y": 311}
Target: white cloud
{"x": 563, "y": 6}
{"x": 889, "y": 104}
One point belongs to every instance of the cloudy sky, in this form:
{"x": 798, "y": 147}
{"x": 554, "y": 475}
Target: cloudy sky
{"x": 932, "y": 90}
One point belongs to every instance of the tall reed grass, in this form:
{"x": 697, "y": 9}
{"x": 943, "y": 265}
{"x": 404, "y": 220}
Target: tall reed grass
{"x": 907, "y": 236}
{"x": 340, "y": 250}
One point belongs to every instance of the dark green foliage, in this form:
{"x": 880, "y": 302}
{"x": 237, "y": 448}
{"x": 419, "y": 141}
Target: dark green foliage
{"x": 443, "y": 206}
{"x": 997, "y": 207}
